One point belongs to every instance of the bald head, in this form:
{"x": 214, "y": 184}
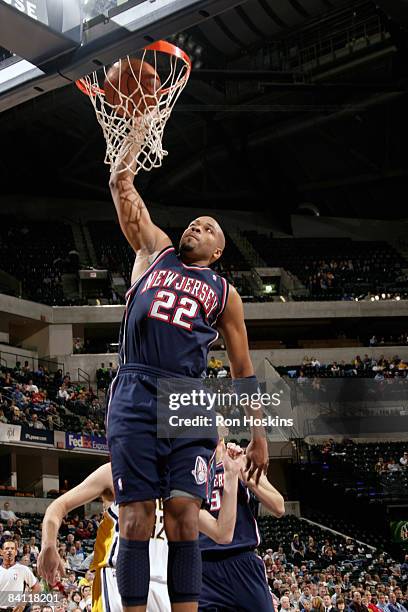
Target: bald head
{"x": 210, "y": 221}
{"x": 202, "y": 242}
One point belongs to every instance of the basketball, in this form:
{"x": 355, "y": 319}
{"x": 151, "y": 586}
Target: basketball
{"x": 132, "y": 85}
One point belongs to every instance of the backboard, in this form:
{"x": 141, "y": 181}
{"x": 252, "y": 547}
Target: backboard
{"x": 44, "y": 44}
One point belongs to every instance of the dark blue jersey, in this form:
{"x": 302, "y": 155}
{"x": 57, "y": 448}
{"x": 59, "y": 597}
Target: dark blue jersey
{"x": 170, "y": 315}
{"x": 246, "y": 534}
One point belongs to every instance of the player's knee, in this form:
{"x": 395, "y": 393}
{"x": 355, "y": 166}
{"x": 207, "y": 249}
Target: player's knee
{"x": 136, "y": 520}
{"x": 181, "y": 520}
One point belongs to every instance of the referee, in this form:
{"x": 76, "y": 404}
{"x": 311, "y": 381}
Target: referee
{"x": 14, "y": 578}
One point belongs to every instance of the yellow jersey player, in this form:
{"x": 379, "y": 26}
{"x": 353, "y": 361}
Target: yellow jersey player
{"x": 105, "y": 594}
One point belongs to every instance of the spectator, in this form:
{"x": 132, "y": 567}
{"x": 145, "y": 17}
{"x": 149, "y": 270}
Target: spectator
{"x": 317, "y": 604}
{"x": 213, "y": 366}
{"x": 222, "y": 372}
{"x": 279, "y": 556}
{"x": 393, "y": 465}
{"x": 356, "y": 604}
{"x": 336, "y": 595}
{"x": 87, "y": 580}
{"x": 404, "y": 459}
{"x": 35, "y": 422}
{"x": 71, "y": 583}
{"x": 30, "y": 387}
{"x": 311, "y": 550}
{"x": 382, "y": 602}
{"x": 371, "y": 603}
{"x": 33, "y": 547}
{"x": 380, "y": 466}
{"x": 79, "y": 550}
{"x": 70, "y": 536}
{"x": 75, "y": 601}
{"x": 305, "y": 595}
{"x": 7, "y": 514}
{"x": 82, "y": 532}
{"x": 73, "y": 559}
{"x": 327, "y": 604}
{"x": 63, "y": 394}
{"x": 86, "y": 597}
{"x": 298, "y": 549}
{"x": 394, "y": 605}
{"x": 285, "y": 605}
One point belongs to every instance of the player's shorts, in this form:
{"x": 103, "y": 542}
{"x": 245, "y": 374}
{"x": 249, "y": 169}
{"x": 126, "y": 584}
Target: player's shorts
{"x": 158, "y": 600}
{"x": 105, "y": 592}
{"x": 235, "y": 583}
{"x": 144, "y": 466}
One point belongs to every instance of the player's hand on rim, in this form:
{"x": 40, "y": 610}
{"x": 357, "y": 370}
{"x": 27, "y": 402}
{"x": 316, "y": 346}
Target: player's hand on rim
{"x": 257, "y": 458}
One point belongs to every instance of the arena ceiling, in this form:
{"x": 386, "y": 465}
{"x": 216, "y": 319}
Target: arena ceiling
{"x": 302, "y": 105}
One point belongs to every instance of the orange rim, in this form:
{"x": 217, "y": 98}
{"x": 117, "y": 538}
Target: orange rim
{"x": 163, "y": 47}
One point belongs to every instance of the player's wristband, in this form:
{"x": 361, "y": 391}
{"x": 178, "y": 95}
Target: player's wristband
{"x": 248, "y": 385}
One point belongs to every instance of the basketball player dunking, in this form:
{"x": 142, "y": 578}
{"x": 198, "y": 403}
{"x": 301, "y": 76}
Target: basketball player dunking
{"x": 105, "y": 594}
{"x": 174, "y": 307}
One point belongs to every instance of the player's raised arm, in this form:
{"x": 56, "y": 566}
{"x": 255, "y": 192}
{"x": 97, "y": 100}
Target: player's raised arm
{"x": 97, "y": 484}
{"x": 266, "y": 493}
{"x": 143, "y": 235}
{"x": 233, "y": 330}
{"x": 221, "y": 529}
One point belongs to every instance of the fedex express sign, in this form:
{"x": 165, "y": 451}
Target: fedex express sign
{"x": 77, "y": 441}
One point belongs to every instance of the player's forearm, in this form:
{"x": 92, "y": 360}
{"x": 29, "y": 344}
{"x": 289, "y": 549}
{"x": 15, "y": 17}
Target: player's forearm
{"x": 270, "y": 498}
{"x": 227, "y": 516}
{"x": 52, "y": 523}
{"x": 130, "y": 209}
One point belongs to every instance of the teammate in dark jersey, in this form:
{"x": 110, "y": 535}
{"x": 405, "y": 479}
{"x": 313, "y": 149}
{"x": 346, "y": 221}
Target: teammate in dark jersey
{"x": 234, "y": 578}
{"x": 174, "y": 307}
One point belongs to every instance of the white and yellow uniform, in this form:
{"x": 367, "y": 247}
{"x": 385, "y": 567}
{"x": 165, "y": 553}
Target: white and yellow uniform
{"x": 105, "y": 593}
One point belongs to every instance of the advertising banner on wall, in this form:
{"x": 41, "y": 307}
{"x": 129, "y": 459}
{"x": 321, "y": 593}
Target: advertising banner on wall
{"x": 9, "y": 433}
{"x": 82, "y": 441}
{"x": 37, "y": 436}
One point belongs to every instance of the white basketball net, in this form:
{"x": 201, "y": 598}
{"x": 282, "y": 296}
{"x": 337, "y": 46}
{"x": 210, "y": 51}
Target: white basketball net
{"x": 126, "y": 129}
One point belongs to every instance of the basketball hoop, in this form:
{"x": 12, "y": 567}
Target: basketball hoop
{"x": 128, "y": 129}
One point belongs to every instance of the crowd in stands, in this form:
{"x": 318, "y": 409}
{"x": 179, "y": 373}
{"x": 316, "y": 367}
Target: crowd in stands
{"x": 335, "y": 268}
{"x": 308, "y": 566}
{"x": 371, "y": 470}
{"x": 75, "y": 545}
{"x": 22, "y": 249}
{"x": 105, "y": 375}
{"x": 216, "y": 368}
{"x": 315, "y": 570}
{"x": 391, "y": 340}
{"x": 40, "y": 399}
{"x": 379, "y": 368}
